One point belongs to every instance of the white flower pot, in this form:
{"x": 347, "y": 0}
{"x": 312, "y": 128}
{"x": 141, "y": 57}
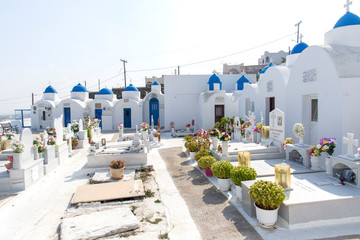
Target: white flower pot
{"x": 215, "y": 142}
{"x": 121, "y": 132}
{"x": 238, "y": 190}
{"x": 315, "y": 163}
{"x": 266, "y": 218}
{"x": 145, "y": 135}
{"x": 258, "y": 137}
{"x": 187, "y": 130}
{"x": 225, "y": 147}
{"x": 192, "y": 155}
{"x": 328, "y": 164}
{"x": 224, "y": 184}
{"x": 18, "y": 160}
{"x": 156, "y": 140}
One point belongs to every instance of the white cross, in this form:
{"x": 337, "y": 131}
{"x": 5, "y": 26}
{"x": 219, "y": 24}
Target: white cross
{"x": 351, "y": 142}
{"x": 347, "y": 5}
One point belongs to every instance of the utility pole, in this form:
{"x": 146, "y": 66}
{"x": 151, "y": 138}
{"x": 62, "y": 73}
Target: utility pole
{"x": 178, "y": 70}
{"x": 298, "y": 30}
{"x": 99, "y": 83}
{"x": 85, "y": 84}
{"x": 124, "y": 61}
{"x": 32, "y": 98}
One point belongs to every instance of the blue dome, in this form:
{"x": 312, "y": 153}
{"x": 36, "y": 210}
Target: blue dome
{"x": 347, "y": 20}
{"x": 299, "y": 48}
{"x": 130, "y": 88}
{"x": 266, "y": 68}
{"x": 214, "y": 79}
{"x": 50, "y": 89}
{"x": 105, "y": 91}
{"x": 155, "y": 83}
{"x": 79, "y": 88}
{"x": 241, "y": 81}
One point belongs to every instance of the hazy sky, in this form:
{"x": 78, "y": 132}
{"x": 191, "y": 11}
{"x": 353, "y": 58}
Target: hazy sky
{"x": 65, "y": 42}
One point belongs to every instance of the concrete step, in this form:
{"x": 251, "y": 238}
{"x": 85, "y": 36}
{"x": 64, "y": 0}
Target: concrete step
{"x": 4, "y": 180}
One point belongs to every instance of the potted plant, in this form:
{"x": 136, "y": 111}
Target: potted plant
{"x": 225, "y": 138}
{"x": 9, "y": 165}
{"x": 156, "y": 136}
{"x": 117, "y": 169}
{"x": 267, "y": 196}
{"x": 205, "y": 162}
{"x": 288, "y": 141}
{"x": 144, "y": 129}
{"x": 221, "y": 170}
{"x": 299, "y": 132}
{"x": 75, "y": 127}
{"x": 215, "y": 134}
{"x": 187, "y": 127}
{"x": 4, "y": 143}
{"x": 239, "y": 174}
{"x": 315, "y": 153}
{"x": 328, "y": 144}
{"x": 121, "y": 129}
{"x": 201, "y": 153}
{"x": 74, "y": 143}
{"x": 89, "y": 134}
{"x": 18, "y": 149}
{"x": 192, "y": 147}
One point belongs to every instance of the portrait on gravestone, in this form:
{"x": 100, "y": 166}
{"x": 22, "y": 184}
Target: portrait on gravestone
{"x": 279, "y": 121}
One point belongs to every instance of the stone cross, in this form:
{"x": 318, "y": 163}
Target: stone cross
{"x": 351, "y": 143}
{"x": 347, "y": 5}
{"x": 81, "y": 125}
{"x": 59, "y": 129}
{"x": 27, "y": 139}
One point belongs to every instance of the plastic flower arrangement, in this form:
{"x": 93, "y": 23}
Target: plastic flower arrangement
{"x": 193, "y": 122}
{"x": 214, "y": 132}
{"x": 225, "y": 137}
{"x": 172, "y": 124}
{"x": 156, "y": 134}
{"x": 231, "y": 128}
{"x": 188, "y": 125}
{"x": 75, "y": 127}
{"x": 246, "y": 124}
{"x": 144, "y": 127}
{"x": 316, "y": 150}
{"x": 51, "y": 141}
{"x": 258, "y": 127}
{"x": 9, "y": 135}
{"x": 17, "y": 147}
{"x": 51, "y": 131}
{"x": 328, "y": 145}
{"x": 121, "y": 126}
{"x": 298, "y": 130}
{"x": 288, "y": 141}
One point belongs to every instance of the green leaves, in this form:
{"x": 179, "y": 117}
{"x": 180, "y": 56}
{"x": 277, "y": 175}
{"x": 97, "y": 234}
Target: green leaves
{"x": 221, "y": 169}
{"x": 242, "y": 173}
{"x": 267, "y": 195}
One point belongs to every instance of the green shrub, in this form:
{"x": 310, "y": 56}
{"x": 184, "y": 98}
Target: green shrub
{"x": 89, "y": 134}
{"x": 242, "y": 173}
{"x": 266, "y": 194}
{"x": 206, "y": 162}
{"x": 201, "y": 153}
{"x": 192, "y": 146}
{"x": 221, "y": 169}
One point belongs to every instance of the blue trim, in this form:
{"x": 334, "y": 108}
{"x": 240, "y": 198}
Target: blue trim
{"x": 298, "y": 48}
{"x": 127, "y": 117}
{"x": 155, "y": 83}
{"x": 67, "y": 116}
{"x": 347, "y": 20}
{"x": 79, "y": 88}
{"x": 50, "y": 89}
{"x": 98, "y": 115}
{"x": 240, "y": 83}
{"x": 131, "y": 88}
{"x": 214, "y": 79}
{"x": 266, "y": 68}
{"x": 154, "y": 110}
{"x": 105, "y": 91}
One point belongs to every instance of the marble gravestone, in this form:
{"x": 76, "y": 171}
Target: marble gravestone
{"x": 277, "y": 125}
{"x": 83, "y": 139}
{"x": 28, "y": 171}
{"x": 62, "y": 151}
{"x": 237, "y": 131}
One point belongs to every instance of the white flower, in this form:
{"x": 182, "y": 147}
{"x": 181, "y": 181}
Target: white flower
{"x": 326, "y": 147}
{"x": 318, "y": 146}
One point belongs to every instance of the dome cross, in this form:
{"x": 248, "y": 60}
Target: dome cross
{"x": 347, "y": 5}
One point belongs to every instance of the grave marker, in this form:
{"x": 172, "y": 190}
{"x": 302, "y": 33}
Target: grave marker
{"x": 277, "y": 125}
{"x": 351, "y": 143}
{"x": 27, "y": 139}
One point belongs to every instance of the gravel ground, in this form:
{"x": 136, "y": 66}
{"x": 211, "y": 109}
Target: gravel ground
{"x": 214, "y": 215}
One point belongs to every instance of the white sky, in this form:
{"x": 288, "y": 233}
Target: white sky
{"x": 65, "y": 42}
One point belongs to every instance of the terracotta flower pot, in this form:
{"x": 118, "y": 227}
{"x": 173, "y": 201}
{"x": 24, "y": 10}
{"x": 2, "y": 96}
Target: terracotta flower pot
{"x": 9, "y": 166}
{"x": 117, "y": 173}
{"x": 74, "y": 147}
{"x": 208, "y": 172}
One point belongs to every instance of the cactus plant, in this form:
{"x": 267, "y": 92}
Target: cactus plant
{"x": 201, "y": 153}
{"x": 266, "y": 194}
{"x": 242, "y": 173}
{"x": 221, "y": 169}
{"x": 117, "y": 164}
{"x": 206, "y": 162}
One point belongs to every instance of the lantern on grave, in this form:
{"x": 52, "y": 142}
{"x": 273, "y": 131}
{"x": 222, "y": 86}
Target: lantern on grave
{"x": 103, "y": 141}
{"x": 282, "y": 175}
{"x": 244, "y": 159}
{"x": 265, "y": 132}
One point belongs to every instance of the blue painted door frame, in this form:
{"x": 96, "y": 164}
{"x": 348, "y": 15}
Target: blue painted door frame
{"x": 154, "y": 110}
{"x": 67, "y": 116}
{"x": 127, "y": 117}
{"x": 98, "y": 115}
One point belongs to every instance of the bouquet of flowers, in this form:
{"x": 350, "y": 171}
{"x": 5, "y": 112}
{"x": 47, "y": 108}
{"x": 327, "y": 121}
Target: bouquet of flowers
{"x": 188, "y": 125}
{"x": 288, "y": 141}
{"x": 121, "y": 126}
{"x": 9, "y": 135}
{"x": 144, "y": 127}
{"x": 75, "y": 127}
{"x": 328, "y": 145}
{"x": 51, "y": 141}
{"x": 225, "y": 136}
{"x": 246, "y": 124}
{"x": 231, "y": 128}
{"x": 298, "y": 130}
{"x": 51, "y": 131}
{"x": 17, "y": 147}
{"x": 172, "y": 124}
{"x": 258, "y": 127}
{"x": 156, "y": 134}
{"x": 202, "y": 133}
{"x": 215, "y": 132}
{"x": 316, "y": 150}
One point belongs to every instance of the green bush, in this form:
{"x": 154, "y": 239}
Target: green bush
{"x": 206, "y": 162}
{"x": 192, "y": 146}
{"x": 242, "y": 173}
{"x": 221, "y": 169}
{"x": 89, "y": 134}
{"x": 267, "y": 195}
{"x": 201, "y": 153}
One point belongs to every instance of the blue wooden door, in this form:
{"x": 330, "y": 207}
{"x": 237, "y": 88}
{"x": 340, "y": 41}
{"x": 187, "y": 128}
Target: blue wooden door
{"x": 67, "y": 116}
{"x": 127, "y": 117}
{"x": 98, "y": 115}
{"x": 154, "y": 110}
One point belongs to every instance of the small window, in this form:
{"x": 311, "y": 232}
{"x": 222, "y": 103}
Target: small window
{"x": 314, "y": 110}
{"x": 98, "y": 105}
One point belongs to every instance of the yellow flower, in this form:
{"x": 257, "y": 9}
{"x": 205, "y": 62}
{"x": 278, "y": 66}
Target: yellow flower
{"x": 324, "y": 142}
{"x": 316, "y": 151}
